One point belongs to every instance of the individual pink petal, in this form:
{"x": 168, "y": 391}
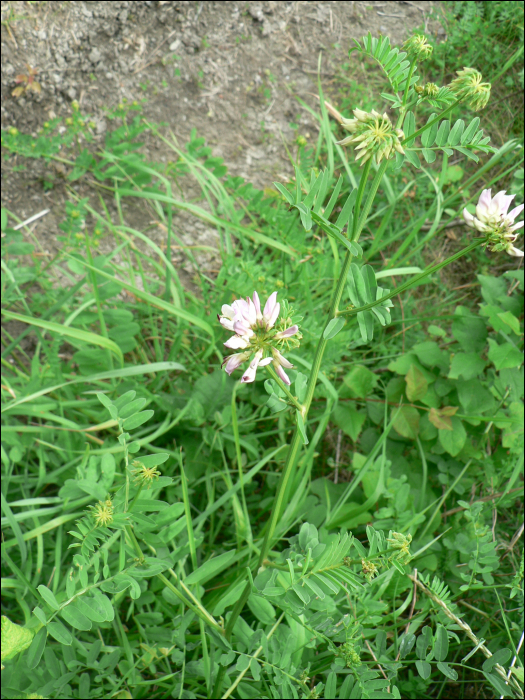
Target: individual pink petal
{"x": 515, "y": 227}
{"x": 251, "y": 314}
{"x": 232, "y": 362}
{"x": 503, "y": 201}
{"x": 257, "y": 304}
{"x": 281, "y": 373}
{"x": 227, "y": 311}
{"x": 280, "y": 359}
{"x": 250, "y": 373}
{"x": 485, "y": 198}
{"x": 273, "y": 317}
{"x": 287, "y": 333}
{"x": 268, "y": 307}
{"x": 480, "y": 226}
{"x": 469, "y": 219}
{"x": 241, "y": 328}
{"x": 515, "y": 252}
{"x": 513, "y": 213}
{"x": 226, "y": 323}
{"x": 265, "y": 362}
{"x": 237, "y": 342}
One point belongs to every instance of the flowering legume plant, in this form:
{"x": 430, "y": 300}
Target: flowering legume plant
{"x": 292, "y": 604}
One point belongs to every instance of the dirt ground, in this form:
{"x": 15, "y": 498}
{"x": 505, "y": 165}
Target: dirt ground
{"x": 230, "y": 70}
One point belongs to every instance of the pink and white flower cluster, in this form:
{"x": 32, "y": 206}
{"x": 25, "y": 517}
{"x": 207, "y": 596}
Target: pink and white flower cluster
{"x": 254, "y": 332}
{"x": 494, "y": 218}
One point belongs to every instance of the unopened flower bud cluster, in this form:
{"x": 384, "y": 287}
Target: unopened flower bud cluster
{"x": 373, "y": 136}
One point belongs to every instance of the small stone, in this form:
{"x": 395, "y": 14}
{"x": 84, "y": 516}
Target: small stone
{"x": 94, "y": 56}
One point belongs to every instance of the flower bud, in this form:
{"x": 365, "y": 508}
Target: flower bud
{"x": 468, "y": 86}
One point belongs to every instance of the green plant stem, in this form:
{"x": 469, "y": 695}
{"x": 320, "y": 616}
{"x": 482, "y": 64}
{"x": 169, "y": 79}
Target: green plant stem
{"x": 431, "y": 123}
{"x": 415, "y": 279}
{"x": 273, "y": 374}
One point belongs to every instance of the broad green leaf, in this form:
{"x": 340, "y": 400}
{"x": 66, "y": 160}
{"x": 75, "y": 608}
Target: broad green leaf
{"x": 75, "y": 618}
{"x": 413, "y": 158}
{"x": 453, "y": 441}
{"x": 14, "y": 638}
{"x": 137, "y": 419}
{"x": 499, "y": 657}
{"x": 35, "y": 651}
{"x": 417, "y": 385}
{"x": 406, "y": 645}
{"x": 360, "y": 382}
{"x": 456, "y": 133}
{"x": 210, "y": 568}
{"x": 467, "y": 365}
{"x": 429, "y": 135}
{"x": 441, "y": 643}
{"x": 48, "y": 596}
{"x": 443, "y": 132}
{"x": 424, "y": 669}
{"x": 349, "y": 420}
{"x": 423, "y": 642}
{"x": 406, "y": 422}
{"x": 57, "y": 630}
{"x": 504, "y": 356}
{"x": 365, "y": 320}
{"x": 442, "y": 417}
{"x": 262, "y": 609}
{"x": 131, "y": 408}
{"x": 333, "y": 327}
{"x": 447, "y": 671}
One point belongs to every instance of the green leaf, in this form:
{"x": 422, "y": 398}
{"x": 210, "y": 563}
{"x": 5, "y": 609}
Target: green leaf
{"x": 210, "y": 568}
{"x": 349, "y": 420}
{"x": 406, "y": 422}
{"x": 262, "y": 609}
{"x": 453, "y": 440}
{"x": 285, "y": 193}
{"x": 424, "y": 669}
{"x": 499, "y": 657}
{"x": 137, "y": 419}
{"x": 14, "y": 638}
{"x": 470, "y": 331}
{"x": 447, "y": 671}
{"x": 406, "y": 645}
{"x": 333, "y": 327}
{"x": 131, "y": 408}
{"x": 423, "y": 642}
{"x": 417, "y": 385}
{"x": 456, "y": 133}
{"x": 48, "y": 596}
{"x": 360, "y": 382}
{"x": 75, "y": 618}
{"x": 57, "y": 630}
{"x": 35, "y": 651}
{"x": 365, "y": 320}
{"x": 441, "y": 643}
{"x": 467, "y": 365}
{"x": 504, "y": 356}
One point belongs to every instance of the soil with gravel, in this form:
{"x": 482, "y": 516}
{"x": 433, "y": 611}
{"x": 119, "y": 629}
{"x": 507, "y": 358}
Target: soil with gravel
{"x": 231, "y": 70}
